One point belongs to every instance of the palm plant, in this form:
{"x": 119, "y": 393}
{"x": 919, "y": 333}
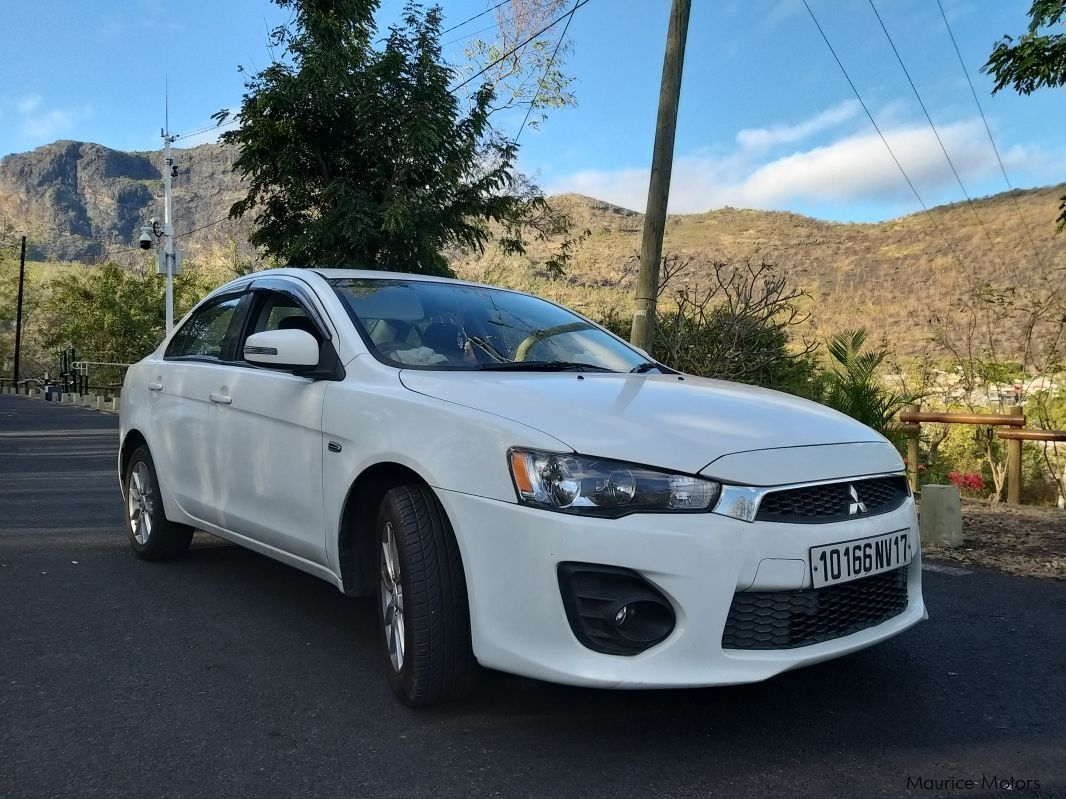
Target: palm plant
{"x": 852, "y": 385}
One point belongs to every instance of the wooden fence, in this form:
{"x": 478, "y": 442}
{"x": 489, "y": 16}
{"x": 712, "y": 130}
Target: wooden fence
{"x": 1013, "y": 432}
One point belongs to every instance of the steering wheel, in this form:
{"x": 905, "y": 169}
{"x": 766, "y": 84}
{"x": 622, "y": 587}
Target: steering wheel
{"x": 522, "y": 351}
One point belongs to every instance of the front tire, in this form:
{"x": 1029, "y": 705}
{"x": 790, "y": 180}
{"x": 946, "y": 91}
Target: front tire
{"x": 152, "y": 535}
{"x": 422, "y": 604}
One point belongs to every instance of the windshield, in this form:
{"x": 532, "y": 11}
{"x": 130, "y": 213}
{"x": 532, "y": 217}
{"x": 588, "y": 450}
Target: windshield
{"x": 429, "y": 325}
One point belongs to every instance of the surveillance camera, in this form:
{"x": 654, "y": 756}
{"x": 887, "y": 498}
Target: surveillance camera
{"x": 145, "y": 242}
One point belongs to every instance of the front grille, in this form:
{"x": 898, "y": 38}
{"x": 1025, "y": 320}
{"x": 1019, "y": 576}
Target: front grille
{"x": 833, "y": 502}
{"x": 789, "y": 619}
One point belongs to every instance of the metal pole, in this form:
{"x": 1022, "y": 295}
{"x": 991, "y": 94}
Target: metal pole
{"x": 651, "y": 246}
{"x": 168, "y": 229}
{"x": 18, "y": 312}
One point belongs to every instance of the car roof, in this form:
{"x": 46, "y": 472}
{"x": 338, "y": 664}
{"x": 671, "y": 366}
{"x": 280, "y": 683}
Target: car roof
{"x": 334, "y": 273}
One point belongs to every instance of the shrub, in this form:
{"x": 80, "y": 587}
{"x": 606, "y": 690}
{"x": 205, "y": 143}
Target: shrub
{"x": 738, "y": 329}
{"x": 967, "y": 482}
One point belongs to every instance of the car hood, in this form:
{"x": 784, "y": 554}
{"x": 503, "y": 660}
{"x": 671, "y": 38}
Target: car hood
{"x": 657, "y": 420}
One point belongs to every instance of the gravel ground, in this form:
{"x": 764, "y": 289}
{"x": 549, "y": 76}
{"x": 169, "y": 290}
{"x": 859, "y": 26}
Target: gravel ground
{"x": 1030, "y": 542}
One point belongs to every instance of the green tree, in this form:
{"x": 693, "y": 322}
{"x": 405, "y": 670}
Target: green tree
{"x": 355, "y": 155}
{"x": 1034, "y": 60}
{"x": 108, "y": 313}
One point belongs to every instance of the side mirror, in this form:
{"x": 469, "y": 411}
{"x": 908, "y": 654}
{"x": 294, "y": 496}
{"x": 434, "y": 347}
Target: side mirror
{"x": 286, "y": 349}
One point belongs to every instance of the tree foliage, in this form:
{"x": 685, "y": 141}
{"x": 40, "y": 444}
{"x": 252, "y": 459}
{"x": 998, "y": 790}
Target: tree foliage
{"x": 111, "y": 313}
{"x": 532, "y": 75}
{"x": 355, "y": 155}
{"x": 853, "y": 384}
{"x": 1034, "y": 60}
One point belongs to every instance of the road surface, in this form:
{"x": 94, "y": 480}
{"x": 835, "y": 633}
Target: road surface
{"x": 225, "y": 674}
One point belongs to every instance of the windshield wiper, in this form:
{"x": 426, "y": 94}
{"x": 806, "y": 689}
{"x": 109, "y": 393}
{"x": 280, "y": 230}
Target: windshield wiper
{"x": 647, "y": 366}
{"x": 543, "y": 366}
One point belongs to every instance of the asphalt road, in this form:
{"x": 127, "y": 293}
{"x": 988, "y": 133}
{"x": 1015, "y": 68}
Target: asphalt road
{"x": 225, "y": 674}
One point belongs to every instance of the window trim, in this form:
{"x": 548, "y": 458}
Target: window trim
{"x": 297, "y": 293}
{"x": 236, "y": 323}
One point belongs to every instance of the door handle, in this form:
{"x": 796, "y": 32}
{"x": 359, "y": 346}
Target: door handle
{"x": 155, "y": 386}
{"x": 220, "y": 399}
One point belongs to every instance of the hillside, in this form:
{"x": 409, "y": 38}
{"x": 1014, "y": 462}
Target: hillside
{"x": 86, "y": 202}
{"x": 81, "y": 200}
{"x": 891, "y": 277}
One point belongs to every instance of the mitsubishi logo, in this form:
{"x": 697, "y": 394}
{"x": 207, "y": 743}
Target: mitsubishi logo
{"x": 856, "y": 506}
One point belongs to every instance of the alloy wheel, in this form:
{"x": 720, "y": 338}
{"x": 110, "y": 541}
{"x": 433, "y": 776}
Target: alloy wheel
{"x": 140, "y": 502}
{"x": 392, "y": 598}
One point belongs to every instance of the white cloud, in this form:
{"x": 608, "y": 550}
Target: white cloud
{"x": 36, "y": 121}
{"x": 762, "y": 138}
{"x": 852, "y": 167}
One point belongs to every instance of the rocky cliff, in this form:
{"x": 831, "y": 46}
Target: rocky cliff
{"x": 82, "y": 201}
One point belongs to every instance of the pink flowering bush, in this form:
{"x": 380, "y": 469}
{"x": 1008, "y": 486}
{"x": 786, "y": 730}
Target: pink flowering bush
{"x": 971, "y": 482}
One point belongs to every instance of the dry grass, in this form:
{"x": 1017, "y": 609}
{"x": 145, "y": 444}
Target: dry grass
{"x": 894, "y": 278}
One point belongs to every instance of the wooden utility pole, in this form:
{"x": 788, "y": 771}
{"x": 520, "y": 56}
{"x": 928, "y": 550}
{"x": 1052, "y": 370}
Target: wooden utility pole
{"x": 651, "y": 245}
{"x": 1014, "y": 462}
{"x": 18, "y": 313}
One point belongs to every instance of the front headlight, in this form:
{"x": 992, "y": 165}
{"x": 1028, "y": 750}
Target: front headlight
{"x": 599, "y": 487}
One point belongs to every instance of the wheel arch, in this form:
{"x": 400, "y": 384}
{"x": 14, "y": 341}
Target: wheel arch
{"x": 356, "y": 545}
{"x": 134, "y": 438}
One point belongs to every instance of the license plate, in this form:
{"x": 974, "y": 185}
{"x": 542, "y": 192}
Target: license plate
{"x": 850, "y": 560}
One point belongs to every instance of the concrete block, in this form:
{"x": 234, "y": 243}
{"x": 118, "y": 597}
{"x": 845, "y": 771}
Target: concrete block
{"x": 114, "y": 404}
{"x": 941, "y": 517}
{"x": 100, "y": 401}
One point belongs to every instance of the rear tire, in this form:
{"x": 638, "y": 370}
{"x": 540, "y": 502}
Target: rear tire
{"x": 152, "y": 535}
{"x": 423, "y": 611}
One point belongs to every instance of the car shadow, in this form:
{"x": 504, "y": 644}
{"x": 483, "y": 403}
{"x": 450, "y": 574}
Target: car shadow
{"x": 902, "y": 694}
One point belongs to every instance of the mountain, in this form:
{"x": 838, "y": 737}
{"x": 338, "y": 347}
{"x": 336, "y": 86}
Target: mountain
{"x": 85, "y": 202}
{"x": 81, "y": 201}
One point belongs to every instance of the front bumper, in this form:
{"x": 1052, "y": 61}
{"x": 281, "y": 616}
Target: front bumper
{"x": 698, "y": 561}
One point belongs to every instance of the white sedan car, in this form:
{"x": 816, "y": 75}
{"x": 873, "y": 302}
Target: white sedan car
{"x": 516, "y": 486}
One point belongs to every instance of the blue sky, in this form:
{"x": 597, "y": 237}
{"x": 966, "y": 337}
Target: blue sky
{"x": 766, "y": 120}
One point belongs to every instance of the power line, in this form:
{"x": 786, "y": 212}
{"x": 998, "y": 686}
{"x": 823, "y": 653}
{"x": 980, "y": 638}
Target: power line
{"x": 216, "y": 126}
{"x": 466, "y": 36}
{"x": 476, "y": 16}
{"x": 202, "y": 227}
{"x": 988, "y": 130}
{"x": 522, "y": 44}
{"x": 547, "y": 69}
{"x": 939, "y": 140}
{"x": 110, "y": 252}
{"x": 884, "y": 141}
